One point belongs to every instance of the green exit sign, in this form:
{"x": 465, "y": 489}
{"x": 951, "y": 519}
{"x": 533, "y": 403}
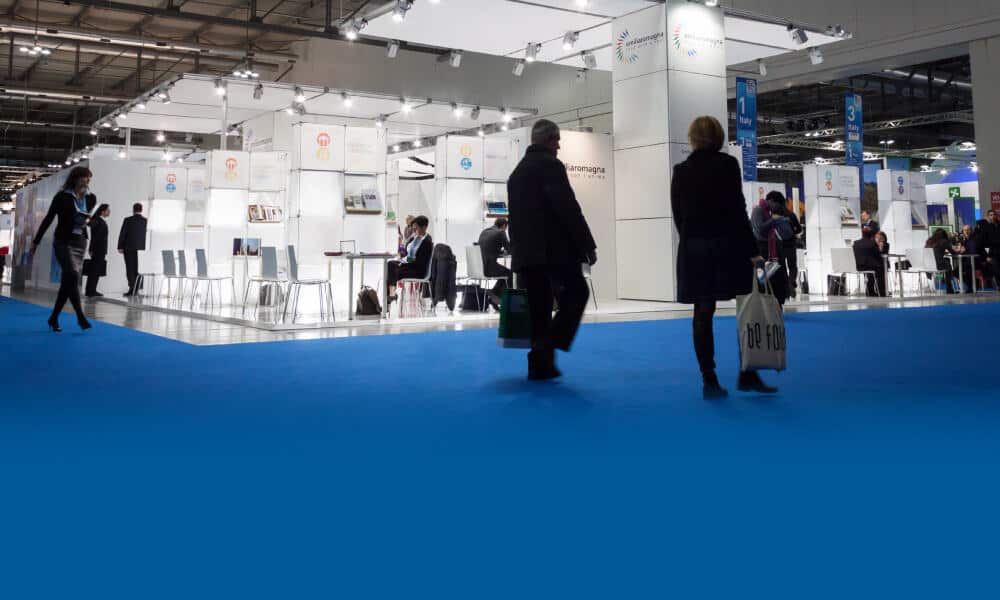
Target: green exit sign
{"x": 954, "y": 192}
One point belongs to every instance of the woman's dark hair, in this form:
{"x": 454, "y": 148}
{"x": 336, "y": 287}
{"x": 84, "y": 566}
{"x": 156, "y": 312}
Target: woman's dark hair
{"x": 101, "y": 209}
{"x": 76, "y": 175}
{"x": 421, "y": 222}
{"x": 884, "y": 236}
{"x": 706, "y": 133}
{"x": 776, "y": 199}
{"x": 936, "y": 238}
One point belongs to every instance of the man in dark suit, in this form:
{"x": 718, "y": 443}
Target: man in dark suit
{"x": 550, "y": 242}
{"x": 868, "y": 257}
{"x": 132, "y": 239}
{"x": 868, "y": 223}
{"x": 97, "y": 265}
{"x": 416, "y": 261}
{"x": 493, "y": 244}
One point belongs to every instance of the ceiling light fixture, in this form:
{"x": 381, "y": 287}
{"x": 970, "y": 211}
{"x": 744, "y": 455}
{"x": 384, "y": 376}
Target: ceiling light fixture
{"x": 380, "y": 121}
{"x": 290, "y": 110}
{"x": 815, "y": 56}
{"x": 570, "y": 39}
{"x": 106, "y": 125}
{"x": 589, "y": 60}
{"x": 531, "y": 51}
{"x": 456, "y": 110}
{"x": 348, "y": 102}
{"x": 519, "y": 68}
{"x": 300, "y": 96}
{"x": 711, "y": 3}
{"x": 475, "y": 114}
{"x": 455, "y": 58}
{"x": 975, "y": 168}
{"x": 258, "y": 91}
{"x": 762, "y": 68}
{"x": 141, "y": 104}
{"x": 395, "y": 148}
{"x": 392, "y": 49}
{"x": 944, "y": 172}
{"x": 506, "y": 117}
{"x": 93, "y": 131}
{"x": 160, "y": 137}
{"x": 582, "y": 3}
{"x": 355, "y": 28}
{"x": 165, "y": 97}
{"x": 404, "y": 106}
{"x": 504, "y": 127}
{"x": 481, "y": 132}
{"x": 798, "y": 35}
{"x": 121, "y": 154}
{"x": 402, "y": 7}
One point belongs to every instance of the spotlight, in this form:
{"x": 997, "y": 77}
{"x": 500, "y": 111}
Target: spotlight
{"x": 475, "y": 114}
{"x": 581, "y": 75}
{"x": 258, "y": 91}
{"x": 519, "y": 68}
{"x": 402, "y": 7}
{"x": 815, "y": 56}
{"x": 180, "y": 159}
{"x": 68, "y": 162}
{"x": 300, "y": 96}
{"x": 455, "y": 58}
{"x": 380, "y": 121}
{"x": 395, "y": 148}
{"x": 762, "y": 68}
{"x": 505, "y": 117}
{"x": 300, "y": 109}
{"x": 392, "y": 49}
{"x": 141, "y": 104}
{"x": 944, "y": 172}
{"x": 160, "y": 137}
{"x": 290, "y": 110}
{"x": 404, "y": 106}
{"x": 456, "y": 110}
{"x": 348, "y": 102}
{"x": 417, "y": 143}
{"x": 481, "y": 132}
{"x": 711, "y": 3}
{"x": 569, "y": 40}
{"x": 121, "y": 154}
{"x": 798, "y": 35}
{"x": 106, "y": 125}
{"x": 504, "y": 127}
{"x": 589, "y": 60}
{"x": 165, "y": 97}
{"x": 76, "y": 160}
{"x": 582, "y": 3}
{"x": 93, "y": 131}
{"x": 975, "y": 168}
{"x": 355, "y": 28}
{"x": 166, "y": 155}
{"x": 531, "y": 51}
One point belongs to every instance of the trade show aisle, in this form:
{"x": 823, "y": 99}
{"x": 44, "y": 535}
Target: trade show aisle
{"x": 426, "y": 466}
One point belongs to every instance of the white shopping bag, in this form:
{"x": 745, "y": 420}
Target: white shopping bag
{"x": 761, "y": 329}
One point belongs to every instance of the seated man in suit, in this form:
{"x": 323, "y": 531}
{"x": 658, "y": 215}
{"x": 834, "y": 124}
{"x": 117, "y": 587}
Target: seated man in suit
{"x": 868, "y": 223}
{"x": 416, "y": 263}
{"x": 868, "y": 257}
{"x": 493, "y": 244}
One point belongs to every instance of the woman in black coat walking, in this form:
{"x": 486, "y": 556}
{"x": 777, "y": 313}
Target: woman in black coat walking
{"x": 717, "y": 248}
{"x": 69, "y": 243}
{"x": 98, "y": 264}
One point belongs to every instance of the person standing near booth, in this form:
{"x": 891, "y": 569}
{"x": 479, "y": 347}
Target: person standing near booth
{"x": 550, "y": 240}
{"x": 132, "y": 239}
{"x": 97, "y": 266}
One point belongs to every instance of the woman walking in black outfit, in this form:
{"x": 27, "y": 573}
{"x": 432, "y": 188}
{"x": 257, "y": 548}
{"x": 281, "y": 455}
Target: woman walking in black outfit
{"x": 717, "y": 248}
{"x": 97, "y": 266}
{"x": 69, "y": 244}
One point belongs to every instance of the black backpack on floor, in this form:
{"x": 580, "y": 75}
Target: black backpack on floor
{"x": 368, "y": 303}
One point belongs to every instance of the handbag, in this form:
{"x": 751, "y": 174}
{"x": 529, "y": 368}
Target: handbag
{"x": 761, "y": 330}
{"x": 95, "y": 267}
{"x": 515, "y": 320}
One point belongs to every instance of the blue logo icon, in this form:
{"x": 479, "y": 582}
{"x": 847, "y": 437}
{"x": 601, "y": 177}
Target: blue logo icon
{"x": 171, "y": 188}
{"x": 466, "y": 163}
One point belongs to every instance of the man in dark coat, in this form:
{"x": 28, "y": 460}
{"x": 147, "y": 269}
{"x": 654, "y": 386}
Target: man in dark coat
{"x": 868, "y": 257}
{"x": 493, "y": 244}
{"x": 97, "y": 266}
{"x": 867, "y": 222}
{"x": 550, "y": 240}
{"x": 132, "y": 239}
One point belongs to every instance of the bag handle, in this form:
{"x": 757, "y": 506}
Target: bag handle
{"x": 755, "y": 286}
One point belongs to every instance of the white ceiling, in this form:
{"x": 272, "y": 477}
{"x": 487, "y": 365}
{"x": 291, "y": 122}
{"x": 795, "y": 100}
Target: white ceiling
{"x": 196, "y": 108}
{"x": 506, "y": 27}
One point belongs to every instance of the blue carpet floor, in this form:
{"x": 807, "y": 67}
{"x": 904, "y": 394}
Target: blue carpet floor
{"x": 425, "y": 466}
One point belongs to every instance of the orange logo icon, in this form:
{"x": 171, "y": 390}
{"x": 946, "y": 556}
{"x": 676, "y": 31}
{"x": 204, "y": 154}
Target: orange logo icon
{"x": 323, "y": 141}
{"x": 465, "y": 150}
{"x": 231, "y": 164}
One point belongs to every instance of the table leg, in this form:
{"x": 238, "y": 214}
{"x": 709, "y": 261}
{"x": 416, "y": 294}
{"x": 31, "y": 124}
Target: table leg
{"x": 972, "y": 265}
{"x": 350, "y": 286}
{"x": 385, "y": 288}
{"x": 961, "y": 278}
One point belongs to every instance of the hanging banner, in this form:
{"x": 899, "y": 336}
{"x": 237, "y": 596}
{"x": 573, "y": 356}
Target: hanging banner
{"x": 746, "y": 125}
{"x": 854, "y": 134}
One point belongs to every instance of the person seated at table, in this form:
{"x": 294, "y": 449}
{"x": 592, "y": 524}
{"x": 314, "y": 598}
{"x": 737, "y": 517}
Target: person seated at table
{"x": 943, "y": 248}
{"x": 493, "y": 244}
{"x": 975, "y": 245}
{"x": 882, "y": 241}
{"x": 867, "y": 222}
{"x": 867, "y": 257}
{"x": 416, "y": 261}
{"x": 405, "y": 235}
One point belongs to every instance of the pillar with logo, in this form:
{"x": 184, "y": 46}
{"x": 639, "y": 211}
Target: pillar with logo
{"x": 228, "y": 194}
{"x": 458, "y": 210}
{"x": 669, "y": 68}
{"x": 833, "y": 217}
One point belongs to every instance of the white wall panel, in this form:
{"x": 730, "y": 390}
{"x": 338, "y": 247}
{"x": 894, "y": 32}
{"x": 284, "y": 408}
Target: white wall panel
{"x": 642, "y": 184}
{"x": 640, "y": 115}
{"x": 645, "y": 250}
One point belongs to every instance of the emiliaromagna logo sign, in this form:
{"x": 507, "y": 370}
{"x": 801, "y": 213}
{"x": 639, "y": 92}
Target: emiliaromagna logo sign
{"x": 688, "y": 41}
{"x": 586, "y": 171}
{"x": 627, "y": 47}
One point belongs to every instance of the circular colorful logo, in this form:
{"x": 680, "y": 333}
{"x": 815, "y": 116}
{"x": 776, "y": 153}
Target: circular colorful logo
{"x": 829, "y": 180}
{"x": 466, "y": 163}
{"x": 902, "y": 187}
{"x": 465, "y": 150}
{"x": 679, "y": 41}
{"x": 323, "y": 139}
{"x": 625, "y": 56}
{"x": 231, "y": 164}
{"x": 171, "y": 188}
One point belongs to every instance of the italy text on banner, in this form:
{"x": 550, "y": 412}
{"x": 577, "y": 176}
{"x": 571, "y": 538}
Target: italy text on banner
{"x": 746, "y": 125}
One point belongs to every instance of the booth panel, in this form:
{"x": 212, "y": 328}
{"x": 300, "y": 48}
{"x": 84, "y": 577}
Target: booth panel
{"x": 166, "y": 216}
{"x": 318, "y": 194}
{"x": 319, "y": 147}
{"x": 365, "y": 230}
{"x": 642, "y": 184}
{"x": 644, "y": 269}
{"x": 268, "y": 171}
{"x": 640, "y": 116}
{"x": 688, "y": 93}
{"x": 640, "y": 43}
{"x": 465, "y": 157}
{"x": 498, "y": 159}
{"x": 169, "y": 183}
{"x": 228, "y": 170}
{"x": 697, "y": 39}
{"x": 362, "y": 150}
{"x": 196, "y": 197}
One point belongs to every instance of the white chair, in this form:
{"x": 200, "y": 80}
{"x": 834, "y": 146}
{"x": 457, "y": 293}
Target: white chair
{"x": 295, "y": 285}
{"x": 845, "y": 264}
{"x": 923, "y": 262}
{"x": 268, "y": 275}
{"x": 169, "y": 274}
{"x": 800, "y": 256}
{"x": 407, "y": 296}
{"x": 201, "y": 264}
{"x": 587, "y": 275}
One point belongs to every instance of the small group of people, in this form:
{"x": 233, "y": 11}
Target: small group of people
{"x": 81, "y": 230}
{"x": 776, "y": 230}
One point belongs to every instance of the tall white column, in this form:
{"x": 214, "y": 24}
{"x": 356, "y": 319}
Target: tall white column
{"x": 669, "y": 68}
{"x": 985, "y": 56}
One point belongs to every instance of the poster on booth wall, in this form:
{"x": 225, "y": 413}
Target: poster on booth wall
{"x": 321, "y": 147}
{"x": 498, "y": 159}
{"x": 169, "y": 183}
{"x": 849, "y": 181}
{"x": 228, "y": 170}
{"x": 362, "y": 150}
{"x": 268, "y": 171}
{"x": 900, "y": 186}
{"x": 194, "y": 214}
